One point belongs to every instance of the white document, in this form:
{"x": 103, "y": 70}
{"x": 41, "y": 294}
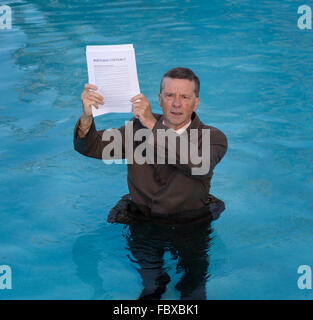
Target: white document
{"x": 113, "y": 70}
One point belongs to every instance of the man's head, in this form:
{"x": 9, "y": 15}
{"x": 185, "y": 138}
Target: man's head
{"x": 179, "y": 96}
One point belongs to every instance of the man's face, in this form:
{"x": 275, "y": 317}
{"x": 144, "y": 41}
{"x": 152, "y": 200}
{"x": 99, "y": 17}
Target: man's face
{"x": 178, "y": 101}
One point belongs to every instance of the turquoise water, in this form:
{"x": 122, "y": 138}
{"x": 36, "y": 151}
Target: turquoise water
{"x": 255, "y": 69}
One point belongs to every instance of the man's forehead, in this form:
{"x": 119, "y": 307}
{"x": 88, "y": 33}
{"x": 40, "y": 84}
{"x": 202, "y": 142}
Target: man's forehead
{"x": 170, "y": 84}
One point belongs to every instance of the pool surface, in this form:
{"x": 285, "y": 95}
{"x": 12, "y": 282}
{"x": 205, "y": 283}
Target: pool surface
{"x": 255, "y": 67}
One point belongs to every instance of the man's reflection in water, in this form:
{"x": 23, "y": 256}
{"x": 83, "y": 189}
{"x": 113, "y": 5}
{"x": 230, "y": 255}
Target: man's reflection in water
{"x": 189, "y": 244}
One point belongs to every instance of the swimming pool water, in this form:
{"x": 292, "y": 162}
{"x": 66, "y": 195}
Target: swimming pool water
{"x": 254, "y": 65}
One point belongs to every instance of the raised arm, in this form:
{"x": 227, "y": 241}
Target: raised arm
{"x": 89, "y": 98}
{"x": 87, "y": 140}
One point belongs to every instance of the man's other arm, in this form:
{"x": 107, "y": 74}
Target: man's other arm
{"x": 217, "y": 143}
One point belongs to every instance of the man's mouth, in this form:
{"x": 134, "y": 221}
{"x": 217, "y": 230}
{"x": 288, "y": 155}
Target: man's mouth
{"x": 177, "y": 114}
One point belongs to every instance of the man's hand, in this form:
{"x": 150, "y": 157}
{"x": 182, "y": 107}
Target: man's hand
{"x": 142, "y": 111}
{"x": 90, "y": 98}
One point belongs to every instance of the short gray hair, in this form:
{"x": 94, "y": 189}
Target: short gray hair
{"x": 182, "y": 73}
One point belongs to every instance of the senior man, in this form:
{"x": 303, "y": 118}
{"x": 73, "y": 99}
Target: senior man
{"x": 167, "y": 193}
{"x": 160, "y": 191}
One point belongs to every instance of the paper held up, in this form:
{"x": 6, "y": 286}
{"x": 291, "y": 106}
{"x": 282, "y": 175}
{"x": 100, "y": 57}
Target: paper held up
{"x": 113, "y": 70}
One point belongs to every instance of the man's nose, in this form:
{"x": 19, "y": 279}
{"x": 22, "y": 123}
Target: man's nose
{"x": 176, "y": 102}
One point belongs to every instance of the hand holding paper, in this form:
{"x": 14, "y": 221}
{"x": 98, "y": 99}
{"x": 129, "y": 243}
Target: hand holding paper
{"x": 142, "y": 111}
{"x": 90, "y": 98}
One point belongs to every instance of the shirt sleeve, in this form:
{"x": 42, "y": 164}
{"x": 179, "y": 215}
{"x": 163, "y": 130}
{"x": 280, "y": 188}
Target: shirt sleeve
{"x": 94, "y": 143}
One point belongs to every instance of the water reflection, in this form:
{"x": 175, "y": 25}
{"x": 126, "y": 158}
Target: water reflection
{"x": 188, "y": 244}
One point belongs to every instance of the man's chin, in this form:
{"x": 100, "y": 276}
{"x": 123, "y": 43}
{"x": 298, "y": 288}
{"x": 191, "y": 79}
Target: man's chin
{"x": 174, "y": 123}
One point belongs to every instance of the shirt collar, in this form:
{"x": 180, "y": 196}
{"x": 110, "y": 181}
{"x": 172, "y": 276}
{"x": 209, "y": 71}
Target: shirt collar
{"x": 182, "y": 129}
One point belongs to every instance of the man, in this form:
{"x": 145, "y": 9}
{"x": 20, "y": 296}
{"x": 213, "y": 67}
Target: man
{"x": 160, "y": 190}
{"x": 167, "y": 193}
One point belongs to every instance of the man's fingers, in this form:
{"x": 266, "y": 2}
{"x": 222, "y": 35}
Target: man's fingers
{"x": 97, "y": 96}
{"x": 138, "y": 96}
{"x": 89, "y": 86}
{"x": 89, "y": 92}
{"x": 136, "y": 115}
{"x": 95, "y": 104}
{"x": 136, "y": 111}
{"x": 136, "y": 105}
{"x": 92, "y": 102}
{"x": 140, "y": 105}
{"x": 137, "y": 108}
{"x": 91, "y": 97}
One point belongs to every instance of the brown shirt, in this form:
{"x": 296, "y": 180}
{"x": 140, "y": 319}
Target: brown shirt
{"x": 161, "y": 188}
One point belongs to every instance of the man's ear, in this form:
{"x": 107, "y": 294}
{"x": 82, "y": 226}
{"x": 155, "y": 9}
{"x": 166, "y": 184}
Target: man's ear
{"x": 160, "y": 99}
{"x": 196, "y": 104}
